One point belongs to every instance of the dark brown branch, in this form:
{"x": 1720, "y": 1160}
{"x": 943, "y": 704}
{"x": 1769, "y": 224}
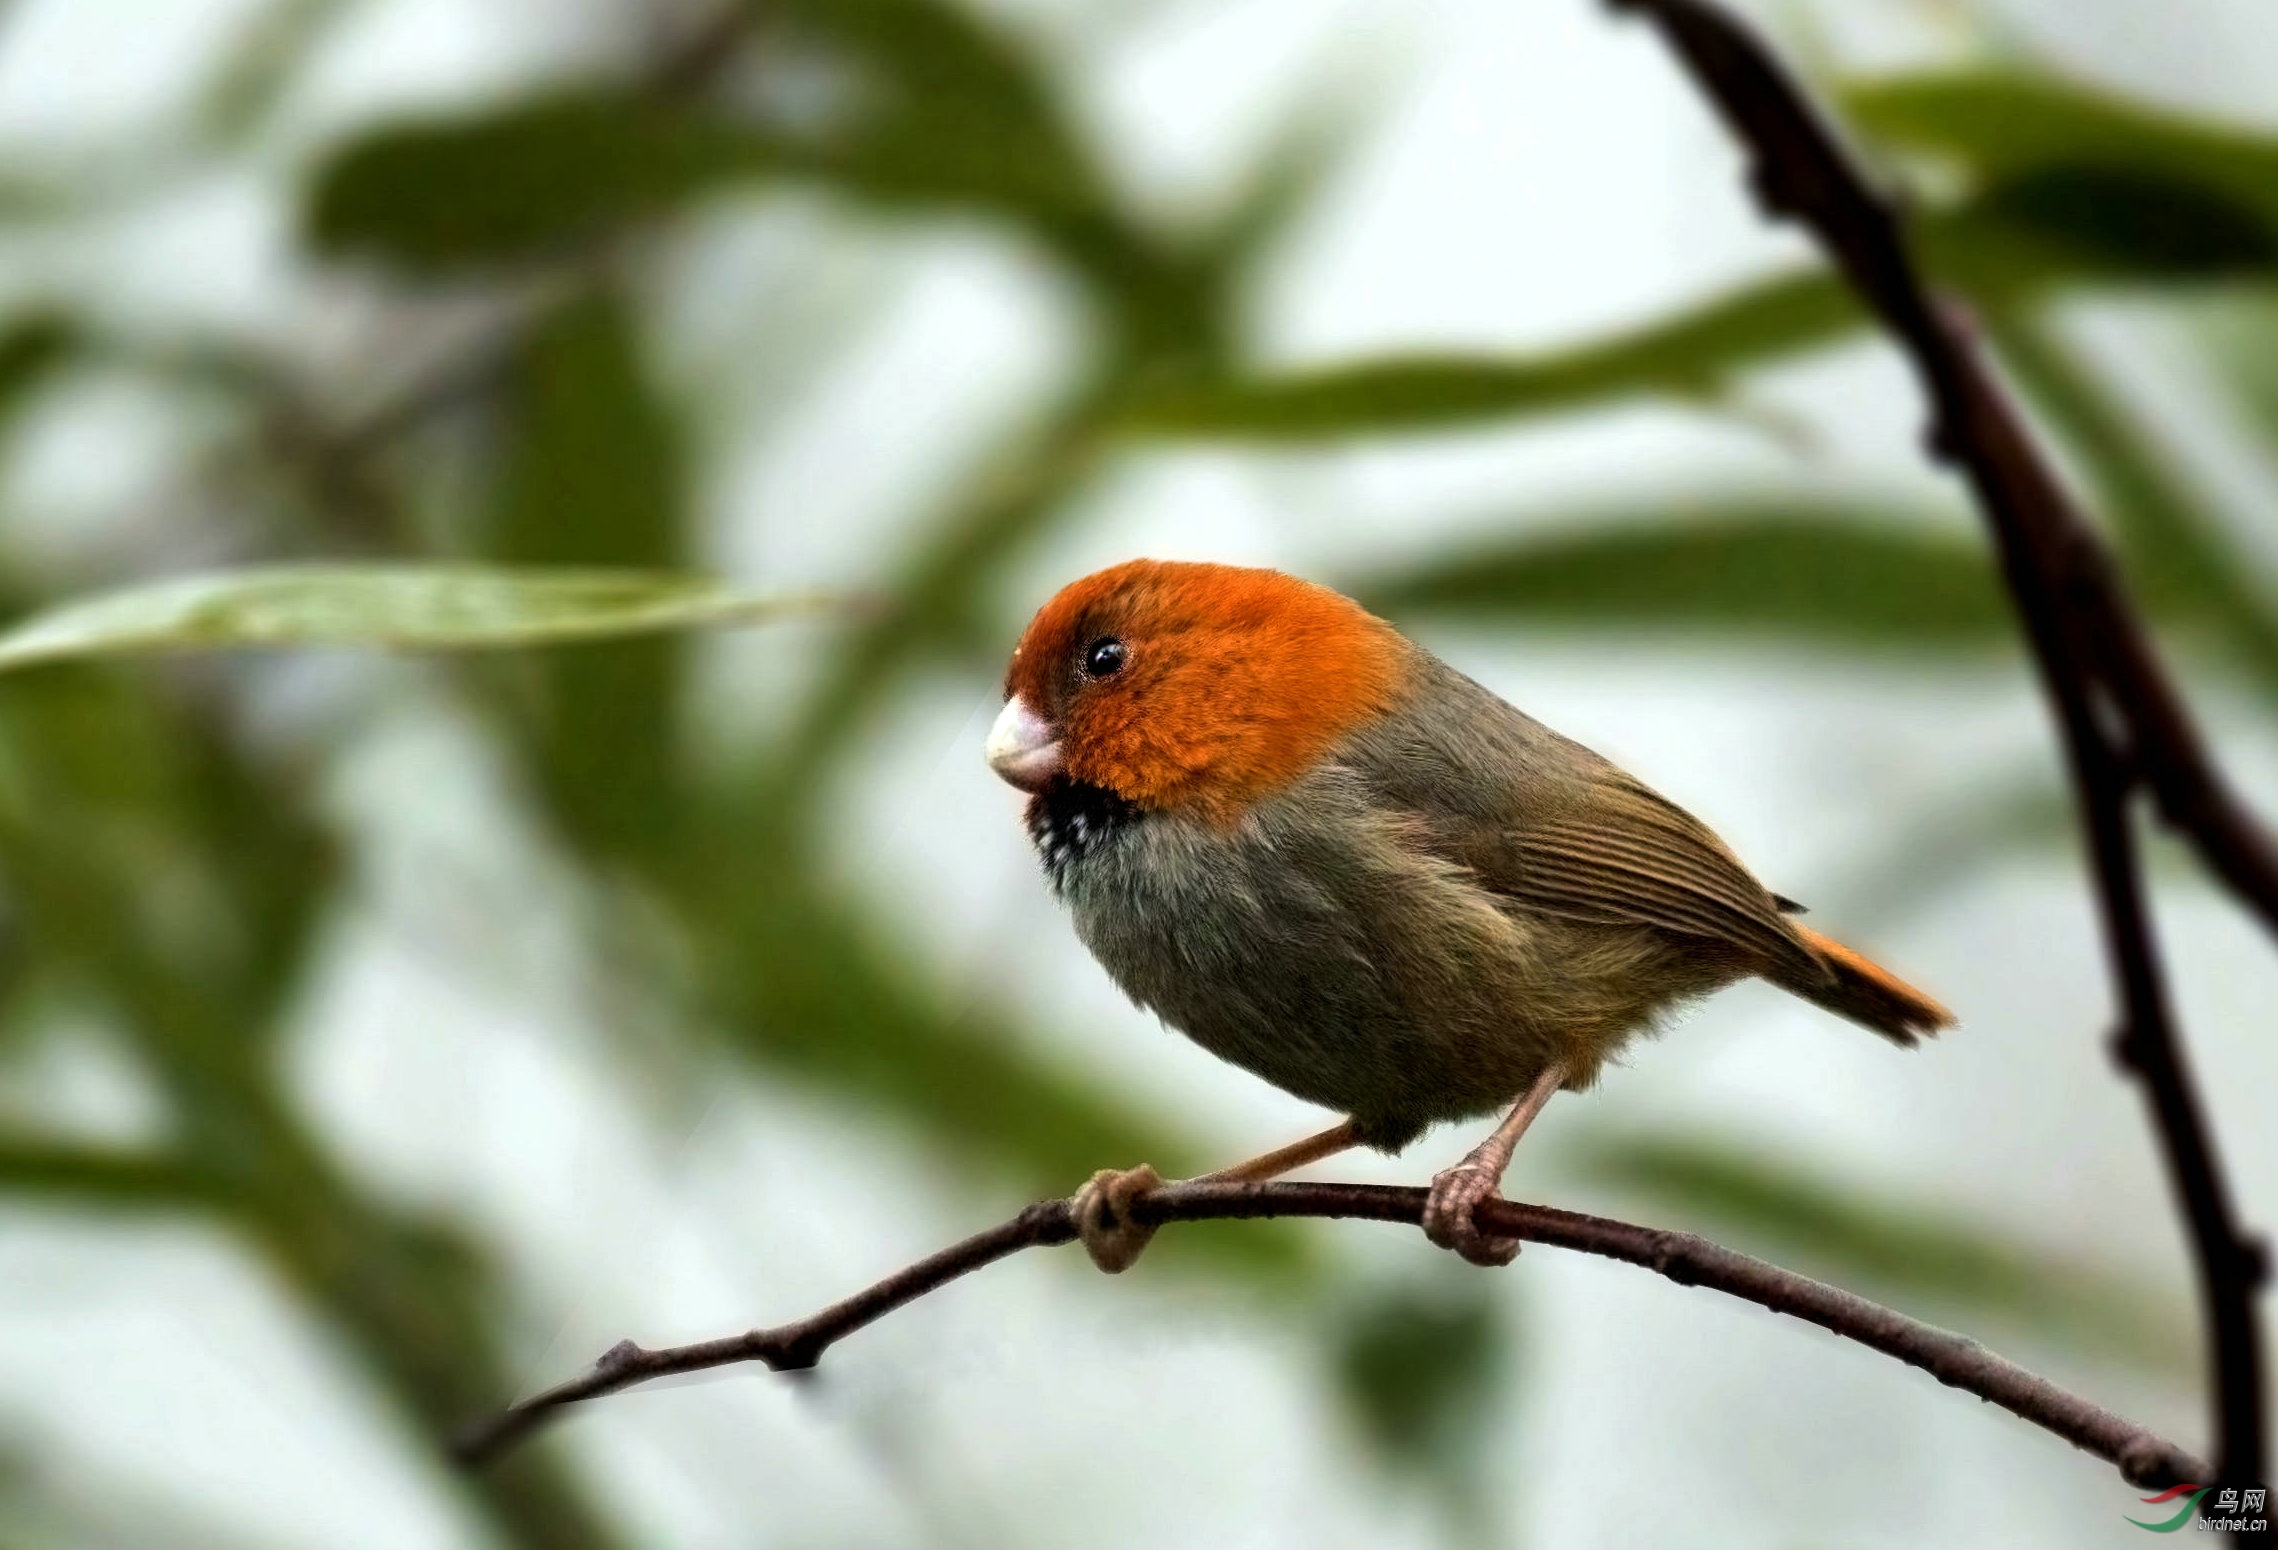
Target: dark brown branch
{"x": 2124, "y": 723}
{"x": 2144, "y": 1458}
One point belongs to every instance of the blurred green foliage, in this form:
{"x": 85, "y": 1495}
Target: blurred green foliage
{"x": 1425, "y": 1373}
{"x": 166, "y": 870}
{"x": 1808, "y": 575}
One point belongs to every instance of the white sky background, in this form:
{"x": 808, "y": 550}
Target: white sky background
{"x": 1530, "y": 173}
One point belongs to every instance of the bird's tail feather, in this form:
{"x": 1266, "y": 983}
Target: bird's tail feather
{"x": 1869, "y": 994}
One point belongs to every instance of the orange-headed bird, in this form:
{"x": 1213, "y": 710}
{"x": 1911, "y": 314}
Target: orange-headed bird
{"x": 1326, "y": 856}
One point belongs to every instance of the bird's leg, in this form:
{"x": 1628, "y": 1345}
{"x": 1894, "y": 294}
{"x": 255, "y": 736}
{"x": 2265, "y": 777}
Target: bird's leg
{"x": 1102, "y": 1208}
{"x": 1340, "y": 1137}
{"x": 1458, "y": 1190}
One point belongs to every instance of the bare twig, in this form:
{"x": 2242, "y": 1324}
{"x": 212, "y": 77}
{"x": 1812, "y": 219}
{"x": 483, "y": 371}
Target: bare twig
{"x": 2144, "y": 1458}
{"x": 2124, "y": 723}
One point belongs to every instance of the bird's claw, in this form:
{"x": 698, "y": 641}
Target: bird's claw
{"x": 1102, "y": 1211}
{"x": 1454, "y": 1195}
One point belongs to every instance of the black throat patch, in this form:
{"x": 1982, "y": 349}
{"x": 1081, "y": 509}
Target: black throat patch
{"x": 1070, "y": 821}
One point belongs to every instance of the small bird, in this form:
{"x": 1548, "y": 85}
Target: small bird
{"x": 1326, "y": 856}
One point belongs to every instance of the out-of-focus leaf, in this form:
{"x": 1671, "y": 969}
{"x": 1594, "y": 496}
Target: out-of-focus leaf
{"x": 2240, "y": 333}
{"x": 1421, "y": 1370}
{"x": 2119, "y": 223}
{"x": 2239, "y": 338}
{"x": 404, "y": 607}
{"x": 947, "y": 109}
{"x": 1767, "y": 570}
{"x": 2090, "y": 192}
{"x": 2066, "y": 183}
{"x": 941, "y": 111}
{"x": 2004, "y": 130}
{"x": 945, "y": 112}
{"x": 164, "y": 873}
{"x": 1788, "y": 1208}
{"x": 260, "y": 65}
{"x": 2184, "y": 564}
{"x": 593, "y": 477}
{"x": 536, "y": 180}
{"x": 105, "y": 1178}
{"x": 30, "y": 347}
{"x": 1691, "y": 354}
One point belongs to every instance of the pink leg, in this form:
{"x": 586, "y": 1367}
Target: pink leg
{"x": 1458, "y": 1190}
{"x": 1102, "y": 1208}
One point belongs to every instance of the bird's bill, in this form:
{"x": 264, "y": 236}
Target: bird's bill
{"x": 1024, "y": 748}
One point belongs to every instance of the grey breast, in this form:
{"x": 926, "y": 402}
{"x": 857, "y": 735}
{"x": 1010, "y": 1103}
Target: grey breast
{"x": 1327, "y": 941}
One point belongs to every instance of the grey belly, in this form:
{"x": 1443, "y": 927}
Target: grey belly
{"x": 1337, "y": 965}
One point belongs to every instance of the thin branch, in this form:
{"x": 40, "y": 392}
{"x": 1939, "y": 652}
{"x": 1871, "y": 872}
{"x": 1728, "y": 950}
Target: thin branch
{"x": 2144, "y": 1458}
{"x": 2123, "y": 720}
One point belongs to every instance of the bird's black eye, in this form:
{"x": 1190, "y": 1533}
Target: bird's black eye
{"x": 1103, "y": 658}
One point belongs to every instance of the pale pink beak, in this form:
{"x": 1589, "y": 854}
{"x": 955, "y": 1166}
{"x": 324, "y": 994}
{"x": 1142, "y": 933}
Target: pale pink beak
{"x": 1023, "y": 747}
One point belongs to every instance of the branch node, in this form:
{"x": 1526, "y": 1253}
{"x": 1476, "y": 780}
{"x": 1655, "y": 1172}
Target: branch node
{"x": 2254, "y": 1258}
{"x": 2127, "y": 1049}
{"x": 2144, "y": 1461}
{"x": 1678, "y": 1256}
{"x": 1941, "y": 442}
{"x": 1775, "y": 194}
{"x": 1048, "y": 1223}
{"x": 793, "y": 1356}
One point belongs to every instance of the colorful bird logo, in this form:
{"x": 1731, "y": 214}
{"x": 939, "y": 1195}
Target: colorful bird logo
{"x": 2182, "y": 1517}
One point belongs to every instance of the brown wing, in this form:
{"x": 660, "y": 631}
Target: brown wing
{"x": 1622, "y": 853}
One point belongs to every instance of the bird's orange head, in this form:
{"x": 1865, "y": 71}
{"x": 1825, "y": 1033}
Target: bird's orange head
{"x": 1183, "y": 685}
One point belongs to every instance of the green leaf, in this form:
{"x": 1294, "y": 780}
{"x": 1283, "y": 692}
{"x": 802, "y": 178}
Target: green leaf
{"x": 403, "y": 607}
{"x": 2110, "y": 186}
{"x": 2065, "y": 189}
{"x": 942, "y": 111}
{"x": 592, "y": 477}
{"x": 953, "y": 111}
{"x": 30, "y": 348}
{"x": 105, "y": 1179}
{"x": 2181, "y": 558}
{"x": 1788, "y": 1208}
{"x": 1689, "y": 355}
{"x": 2122, "y": 223}
{"x": 1792, "y": 572}
{"x": 536, "y": 180}
{"x": 1999, "y": 127}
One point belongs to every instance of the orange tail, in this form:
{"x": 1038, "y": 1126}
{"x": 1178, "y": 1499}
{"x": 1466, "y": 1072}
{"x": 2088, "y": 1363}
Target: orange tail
{"x": 1870, "y": 995}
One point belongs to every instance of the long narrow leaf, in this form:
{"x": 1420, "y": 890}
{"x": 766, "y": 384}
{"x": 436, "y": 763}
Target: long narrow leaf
{"x": 2003, "y": 127}
{"x": 1790, "y": 572}
{"x": 403, "y": 607}
{"x": 1690, "y": 354}
{"x": 533, "y": 180}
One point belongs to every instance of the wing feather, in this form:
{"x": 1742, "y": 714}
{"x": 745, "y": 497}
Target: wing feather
{"x": 1623, "y": 853}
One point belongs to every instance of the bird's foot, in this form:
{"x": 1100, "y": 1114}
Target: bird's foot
{"x": 1454, "y": 1194}
{"x": 1102, "y": 1210}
